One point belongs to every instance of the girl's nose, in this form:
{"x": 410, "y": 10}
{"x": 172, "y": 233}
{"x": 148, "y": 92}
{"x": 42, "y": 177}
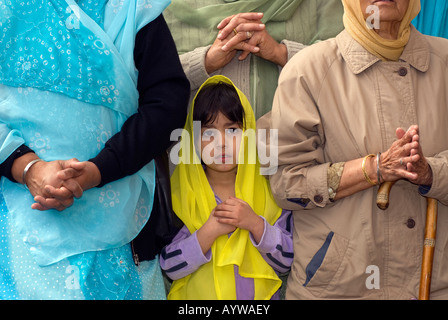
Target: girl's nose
{"x": 221, "y": 141}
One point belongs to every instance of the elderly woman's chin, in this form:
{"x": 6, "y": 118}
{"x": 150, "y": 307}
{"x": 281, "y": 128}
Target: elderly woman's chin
{"x": 390, "y": 10}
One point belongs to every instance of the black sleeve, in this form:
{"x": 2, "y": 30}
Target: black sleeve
{"x": 163, "y": 102}
{"x": 6, "y": 166}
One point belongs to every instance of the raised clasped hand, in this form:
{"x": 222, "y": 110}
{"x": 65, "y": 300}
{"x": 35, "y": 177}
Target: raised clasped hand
{"x": 243, "y": 32}
{"x": 405, "y": 159}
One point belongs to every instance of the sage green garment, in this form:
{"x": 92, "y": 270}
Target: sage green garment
{"x": 193, "y": 24}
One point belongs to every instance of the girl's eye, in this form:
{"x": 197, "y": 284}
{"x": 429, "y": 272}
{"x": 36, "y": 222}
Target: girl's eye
{"x": 233, "y": 131}
{"x": 208, "y": 133}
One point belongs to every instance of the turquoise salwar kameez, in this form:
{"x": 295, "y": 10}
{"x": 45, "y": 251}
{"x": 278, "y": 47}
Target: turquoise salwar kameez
{"x": 67, "y": 84}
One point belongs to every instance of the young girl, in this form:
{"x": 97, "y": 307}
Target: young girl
{"x": 235, "y": 236}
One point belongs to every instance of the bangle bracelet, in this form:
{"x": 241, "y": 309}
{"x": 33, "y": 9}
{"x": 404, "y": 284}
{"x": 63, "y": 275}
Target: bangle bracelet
{"x": 27, "y": 168}
{"x": 378, "y": 171}
{"x": 364, "y": 171}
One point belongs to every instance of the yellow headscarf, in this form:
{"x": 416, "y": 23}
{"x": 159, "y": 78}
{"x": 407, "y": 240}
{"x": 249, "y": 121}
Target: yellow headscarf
{"x": 385, "y": 49}
{"x": 193, "y": 201}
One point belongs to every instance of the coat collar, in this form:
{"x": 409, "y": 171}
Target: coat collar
{"x": 358, "y": 59}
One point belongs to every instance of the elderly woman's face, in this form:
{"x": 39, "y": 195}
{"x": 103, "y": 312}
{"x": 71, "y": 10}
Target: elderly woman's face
{"x": 390, "y": 10}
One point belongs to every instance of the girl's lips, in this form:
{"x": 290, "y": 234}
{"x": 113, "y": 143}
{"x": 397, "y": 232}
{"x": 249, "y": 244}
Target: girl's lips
{"x": 223, "y": 158}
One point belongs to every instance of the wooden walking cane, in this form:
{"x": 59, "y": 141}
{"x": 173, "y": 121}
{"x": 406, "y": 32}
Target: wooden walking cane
{"x": 428, "y": 249}
{"x": 429, "y": 243}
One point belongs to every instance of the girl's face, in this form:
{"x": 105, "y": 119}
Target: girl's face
{"x": 220, "y": 144}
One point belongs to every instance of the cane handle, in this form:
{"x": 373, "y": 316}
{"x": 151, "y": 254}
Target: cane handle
{"x": 382, "y": 197}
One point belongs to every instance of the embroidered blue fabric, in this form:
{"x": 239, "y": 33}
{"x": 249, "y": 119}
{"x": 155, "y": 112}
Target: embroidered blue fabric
{"x": 67, "y": 84}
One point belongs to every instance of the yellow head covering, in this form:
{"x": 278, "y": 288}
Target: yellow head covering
{"x": 193, "y": 201}
{"x": 385, "y": 49}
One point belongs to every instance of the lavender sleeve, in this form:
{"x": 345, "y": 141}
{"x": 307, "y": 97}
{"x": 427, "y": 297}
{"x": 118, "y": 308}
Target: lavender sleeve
{"x": 183, "y": 255}
{"x": 276, "y": 245}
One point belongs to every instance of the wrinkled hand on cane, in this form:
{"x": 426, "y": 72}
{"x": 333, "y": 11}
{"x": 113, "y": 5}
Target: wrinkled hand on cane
{"x": 429, "y": 240}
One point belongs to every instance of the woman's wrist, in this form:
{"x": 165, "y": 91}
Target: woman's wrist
{"x": 428, "y": 178}
{"x": 369, "y": 169}
{"x": 212, "y": 60}
{"x": 280, "y": 56}
{"x": 93, "y": 176}
{"x": 19, "y": 165}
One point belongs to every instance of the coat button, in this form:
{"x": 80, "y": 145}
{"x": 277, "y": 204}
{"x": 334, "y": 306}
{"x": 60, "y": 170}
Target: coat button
{"x": 402, "y": 71}
{"x": 318, "y": 198}
{"x": 410, "y": 223}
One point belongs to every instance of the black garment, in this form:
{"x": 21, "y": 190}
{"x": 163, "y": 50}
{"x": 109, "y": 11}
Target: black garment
{"x": 163, "y": 224}
{"x": 164, "y": 94}
{"x": 6, "y": 166}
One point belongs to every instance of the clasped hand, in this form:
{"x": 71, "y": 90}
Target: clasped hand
{"x": 405, "y": 159}
{"x": 236, "y": 213}
{"x": 244, "y": 32}
{"x": 55, "y": 184}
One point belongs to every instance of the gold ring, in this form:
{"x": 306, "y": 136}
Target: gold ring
{"x": 234, "y": 31}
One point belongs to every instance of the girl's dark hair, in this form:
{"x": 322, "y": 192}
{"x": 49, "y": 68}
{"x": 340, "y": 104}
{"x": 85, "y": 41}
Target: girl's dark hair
{"x": 215, "y": 98}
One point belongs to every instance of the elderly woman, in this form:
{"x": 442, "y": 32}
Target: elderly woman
{"x": 366, "y": 107}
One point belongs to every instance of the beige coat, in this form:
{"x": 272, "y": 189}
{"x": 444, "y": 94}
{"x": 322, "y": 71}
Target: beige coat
{"x": 337, "y": 102}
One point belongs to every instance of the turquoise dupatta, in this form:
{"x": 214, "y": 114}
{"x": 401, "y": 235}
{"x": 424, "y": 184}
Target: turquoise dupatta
{"x": 67, "y": 84}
